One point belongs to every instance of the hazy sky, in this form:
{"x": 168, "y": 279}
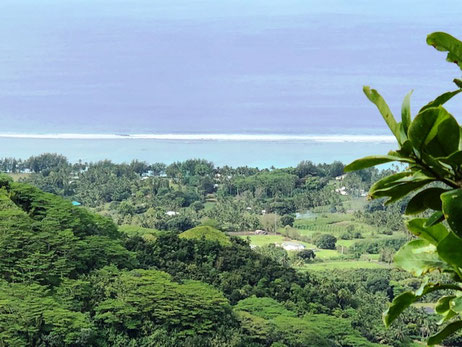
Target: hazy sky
{"x": 215, "y": 65}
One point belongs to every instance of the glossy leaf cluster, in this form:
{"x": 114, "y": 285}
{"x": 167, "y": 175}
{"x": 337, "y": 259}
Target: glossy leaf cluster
{"x": 430, "y": 144}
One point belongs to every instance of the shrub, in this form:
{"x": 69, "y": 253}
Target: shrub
{"x": 208, "y": 233}
{"x": 306, "y": 254}
{"x": 346, "y": 236}
{"x": 287, "y": 219}
{"x": 326, "y": 241}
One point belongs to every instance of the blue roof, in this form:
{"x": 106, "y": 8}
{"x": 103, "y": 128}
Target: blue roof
{"x": 76, "y": 203}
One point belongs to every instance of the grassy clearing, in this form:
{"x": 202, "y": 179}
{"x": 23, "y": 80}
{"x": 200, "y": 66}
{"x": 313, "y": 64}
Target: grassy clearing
{"x": 262, "y": 240}
{"x": 333, "y": 223}
{"x": 355, "y": 203}
{"x": 336, "y": 224}
{"x": 342, "y": 264}
{"x": 17, "y": 176}
{"x": 346, "y": 243}
{"x": 369, "y": 257}
{"x": 327, "y": 254}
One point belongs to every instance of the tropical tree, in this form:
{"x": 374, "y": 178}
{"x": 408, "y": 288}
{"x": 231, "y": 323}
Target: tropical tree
{"x": 326, "y": 241}
{"x": 431, "y": 147}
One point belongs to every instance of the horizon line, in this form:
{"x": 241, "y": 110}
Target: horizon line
{"x": 333, "y": 138}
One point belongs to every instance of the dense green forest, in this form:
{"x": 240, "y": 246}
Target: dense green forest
{"x": 105, "y": 254}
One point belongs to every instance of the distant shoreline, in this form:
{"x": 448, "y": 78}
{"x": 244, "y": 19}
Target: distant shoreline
{"x": 332, "y": 138}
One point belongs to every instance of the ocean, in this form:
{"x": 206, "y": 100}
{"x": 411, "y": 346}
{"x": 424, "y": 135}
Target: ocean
{"x": 262, "y": 151}
{"x": 288, "y": 68}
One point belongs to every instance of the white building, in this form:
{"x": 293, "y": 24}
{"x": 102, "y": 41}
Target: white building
{"x": 292, "y": 246}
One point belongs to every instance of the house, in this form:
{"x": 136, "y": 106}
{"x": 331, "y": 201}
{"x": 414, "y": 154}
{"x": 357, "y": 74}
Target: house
{"x": 76, "y": 203}
{"x": 341, "y": 191}
{"x": 171, "y": 213}
{"x": 292, "y": 246}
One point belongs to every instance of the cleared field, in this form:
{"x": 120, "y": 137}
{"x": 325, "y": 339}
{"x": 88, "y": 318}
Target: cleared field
{"x": 330, "y": 265}
{"x": 346, "y": 243}
{"x": 327, "y": 254}
{"x": 355, "y": 203}
{"x": 333, "y": 223}
{"x": 262, "y": 240}
{"x": 17, "y": 176}
{"x": 321, "y": 220}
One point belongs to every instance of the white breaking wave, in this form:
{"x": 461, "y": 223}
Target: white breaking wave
{"x": 212, "y": 137}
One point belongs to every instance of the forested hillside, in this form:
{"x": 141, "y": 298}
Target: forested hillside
{"x": 154, "y": 255}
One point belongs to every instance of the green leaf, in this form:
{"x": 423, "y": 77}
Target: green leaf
{"x": 406, "y": 149}
{"x": 443, "y": 304}
{"x": 454, "y": 160}
{"x": 447, "y": 331}
{"x": 460, "y": 138}
{"x": 418, "y": 257}
{"x": 390, "y": 180}
{"x": 383, "y": 108}
{"x": 456, "y": 304}
{"x": 435, "y": 218}
{"x": 446, "y": 43}
{"x": 449, "y": 249}
{"x": 398, "y": 305}
{"x": 433, "y": 234}
{"x": 402, "y": 133}
{"x": 398, "y": 185}
{"x": 452, "y": 209}
{"x": 441, "y": 100}
{"x": 443, "y": 308}
{"x": 406, "y": 112}
{"x": 426, "y": 199}
{"x": 457, "y": 82}
{"x": 372, "y": 160}
{"x": 435, "y": 132}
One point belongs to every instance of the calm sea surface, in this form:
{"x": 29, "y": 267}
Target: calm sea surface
{"x": 217, "y": 67}
{"x": 235, "y": 153}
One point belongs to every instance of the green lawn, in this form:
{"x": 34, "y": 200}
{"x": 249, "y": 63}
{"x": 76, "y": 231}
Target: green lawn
{"x": 326, "y": 253}
{"x": 345, "y": 264}
{"x": 368, "y": 257}
{"x": 346, "y": 243}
